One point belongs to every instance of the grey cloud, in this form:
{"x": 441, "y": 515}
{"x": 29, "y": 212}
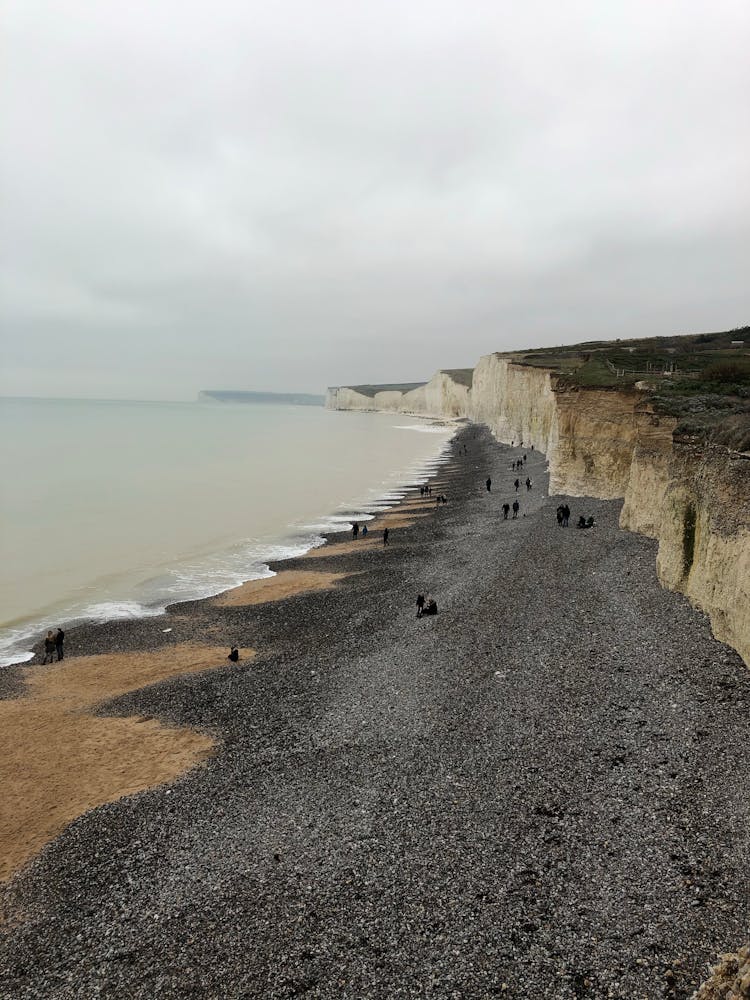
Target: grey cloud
{"x": 292, "y": 194}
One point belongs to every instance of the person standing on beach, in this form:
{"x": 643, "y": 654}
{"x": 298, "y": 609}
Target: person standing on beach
{"x": 517, "y": 483}
{"x": 59, "y": 640}
{"x": 566, "y": 515}
{"x": 516, "y": 508}
{"x": 420, "y": 605}
{"x": 489, "y": 484}
{"x": 506, "y": 511}
{"x": 385, "y": 536}
{"x": 49, "y": 647}
{"x": 528, "y": 483}
{"x": 355, "y": 529}
{"x": 364, "y": 531}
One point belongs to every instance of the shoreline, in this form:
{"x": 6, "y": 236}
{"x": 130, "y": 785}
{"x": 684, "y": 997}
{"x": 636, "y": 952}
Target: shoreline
{"x": 542, "y": 785}
{"x": 59, "y": 703}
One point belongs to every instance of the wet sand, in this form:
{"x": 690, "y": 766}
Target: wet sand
{"x": 58, "y": 760}
{"x": 285, "y": 584}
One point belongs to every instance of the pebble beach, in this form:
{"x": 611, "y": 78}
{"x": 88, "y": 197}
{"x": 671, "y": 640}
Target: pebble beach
{"x": 541, "y": 792}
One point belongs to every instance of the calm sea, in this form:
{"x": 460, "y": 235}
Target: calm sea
{"x": 115, "y": 509}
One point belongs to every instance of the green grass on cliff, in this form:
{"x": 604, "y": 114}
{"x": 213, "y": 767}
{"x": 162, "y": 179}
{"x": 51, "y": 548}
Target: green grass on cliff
{"x": 370, "y": 390}
{"x": 702, "y": 379}
{"x": 461, "y": 376}
{"x": 697, "y": 362}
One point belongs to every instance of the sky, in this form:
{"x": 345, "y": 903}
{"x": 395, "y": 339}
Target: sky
{"x": 293, "y": 194}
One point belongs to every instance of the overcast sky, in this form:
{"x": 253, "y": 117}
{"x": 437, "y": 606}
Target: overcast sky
{"x": 286, "y": 195}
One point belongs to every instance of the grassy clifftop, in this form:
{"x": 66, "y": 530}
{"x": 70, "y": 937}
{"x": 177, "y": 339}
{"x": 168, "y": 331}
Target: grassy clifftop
{"x": 702, "y": 379}
{"x": 370, "y": 390}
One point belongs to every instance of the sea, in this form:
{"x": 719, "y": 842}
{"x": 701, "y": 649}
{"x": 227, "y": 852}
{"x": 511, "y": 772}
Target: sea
{"x": 115, "y": 509}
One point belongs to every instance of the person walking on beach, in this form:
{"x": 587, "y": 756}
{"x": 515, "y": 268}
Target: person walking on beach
{"x": 49, "y": 647}
{"x": 420, "y": 605}
{"x": 517, "y": 483}
{"x": 560, "y": 515}
{"x": 488, "y": 484}
{"x": 528, "y": 483}
{"x": 566, "y": 515}
{"x": 364, "y": 531}
{"x": 355, "y": 529}
{"x": 516, "y": 508}
{"x": 385, "y": 536}
{"x": 506, "y": 511}
{"x": 59, "y": 640}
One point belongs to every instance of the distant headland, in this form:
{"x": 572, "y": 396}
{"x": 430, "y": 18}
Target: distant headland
{"x": 239, "y": 396}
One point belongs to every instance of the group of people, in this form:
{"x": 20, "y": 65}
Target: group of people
{"x": 357, "y": 531}
{"x": 517, "y": 484}
{"x": 425, "y": 491}
{"x": 53, "y": 643}
{"x": 518, "y": 464}
{"x": 506, "y": 510}
{"x": 426, "y": 605}
{"x": 563, "y": 515}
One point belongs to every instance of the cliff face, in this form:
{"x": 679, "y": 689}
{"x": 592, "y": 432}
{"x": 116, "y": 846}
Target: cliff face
{"x": 517, "y": 403}
{"x": 704, "y": 537}
{"x": 610, "y": 444}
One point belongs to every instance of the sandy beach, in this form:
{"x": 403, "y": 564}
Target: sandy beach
{"x": 540, "y": 792}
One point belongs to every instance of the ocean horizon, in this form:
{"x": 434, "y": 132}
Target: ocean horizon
{"x": 114, "y": 509}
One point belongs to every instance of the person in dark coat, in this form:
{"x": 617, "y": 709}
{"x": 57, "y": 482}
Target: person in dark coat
{"x": 385, "y": 536}
{"x": 234, "y": 654}
{"x": 488, "y": 484}
{"x": 506, "y": 511}
{"x": 517, "y": 483}
{"x": 355, "y": 529}
{"x": 59, "y": 640}
{"x": 516, "y": 508}
{"x": 49, "y": 647}
{"x": 528, "y": 483}
{"x": 420, "y": 605}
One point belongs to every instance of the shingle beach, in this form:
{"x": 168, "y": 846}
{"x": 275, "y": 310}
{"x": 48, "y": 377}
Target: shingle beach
{"x": 541, "y": 792}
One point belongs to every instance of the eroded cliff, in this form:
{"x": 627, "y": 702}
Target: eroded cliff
{"x": 610, "y": 443}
